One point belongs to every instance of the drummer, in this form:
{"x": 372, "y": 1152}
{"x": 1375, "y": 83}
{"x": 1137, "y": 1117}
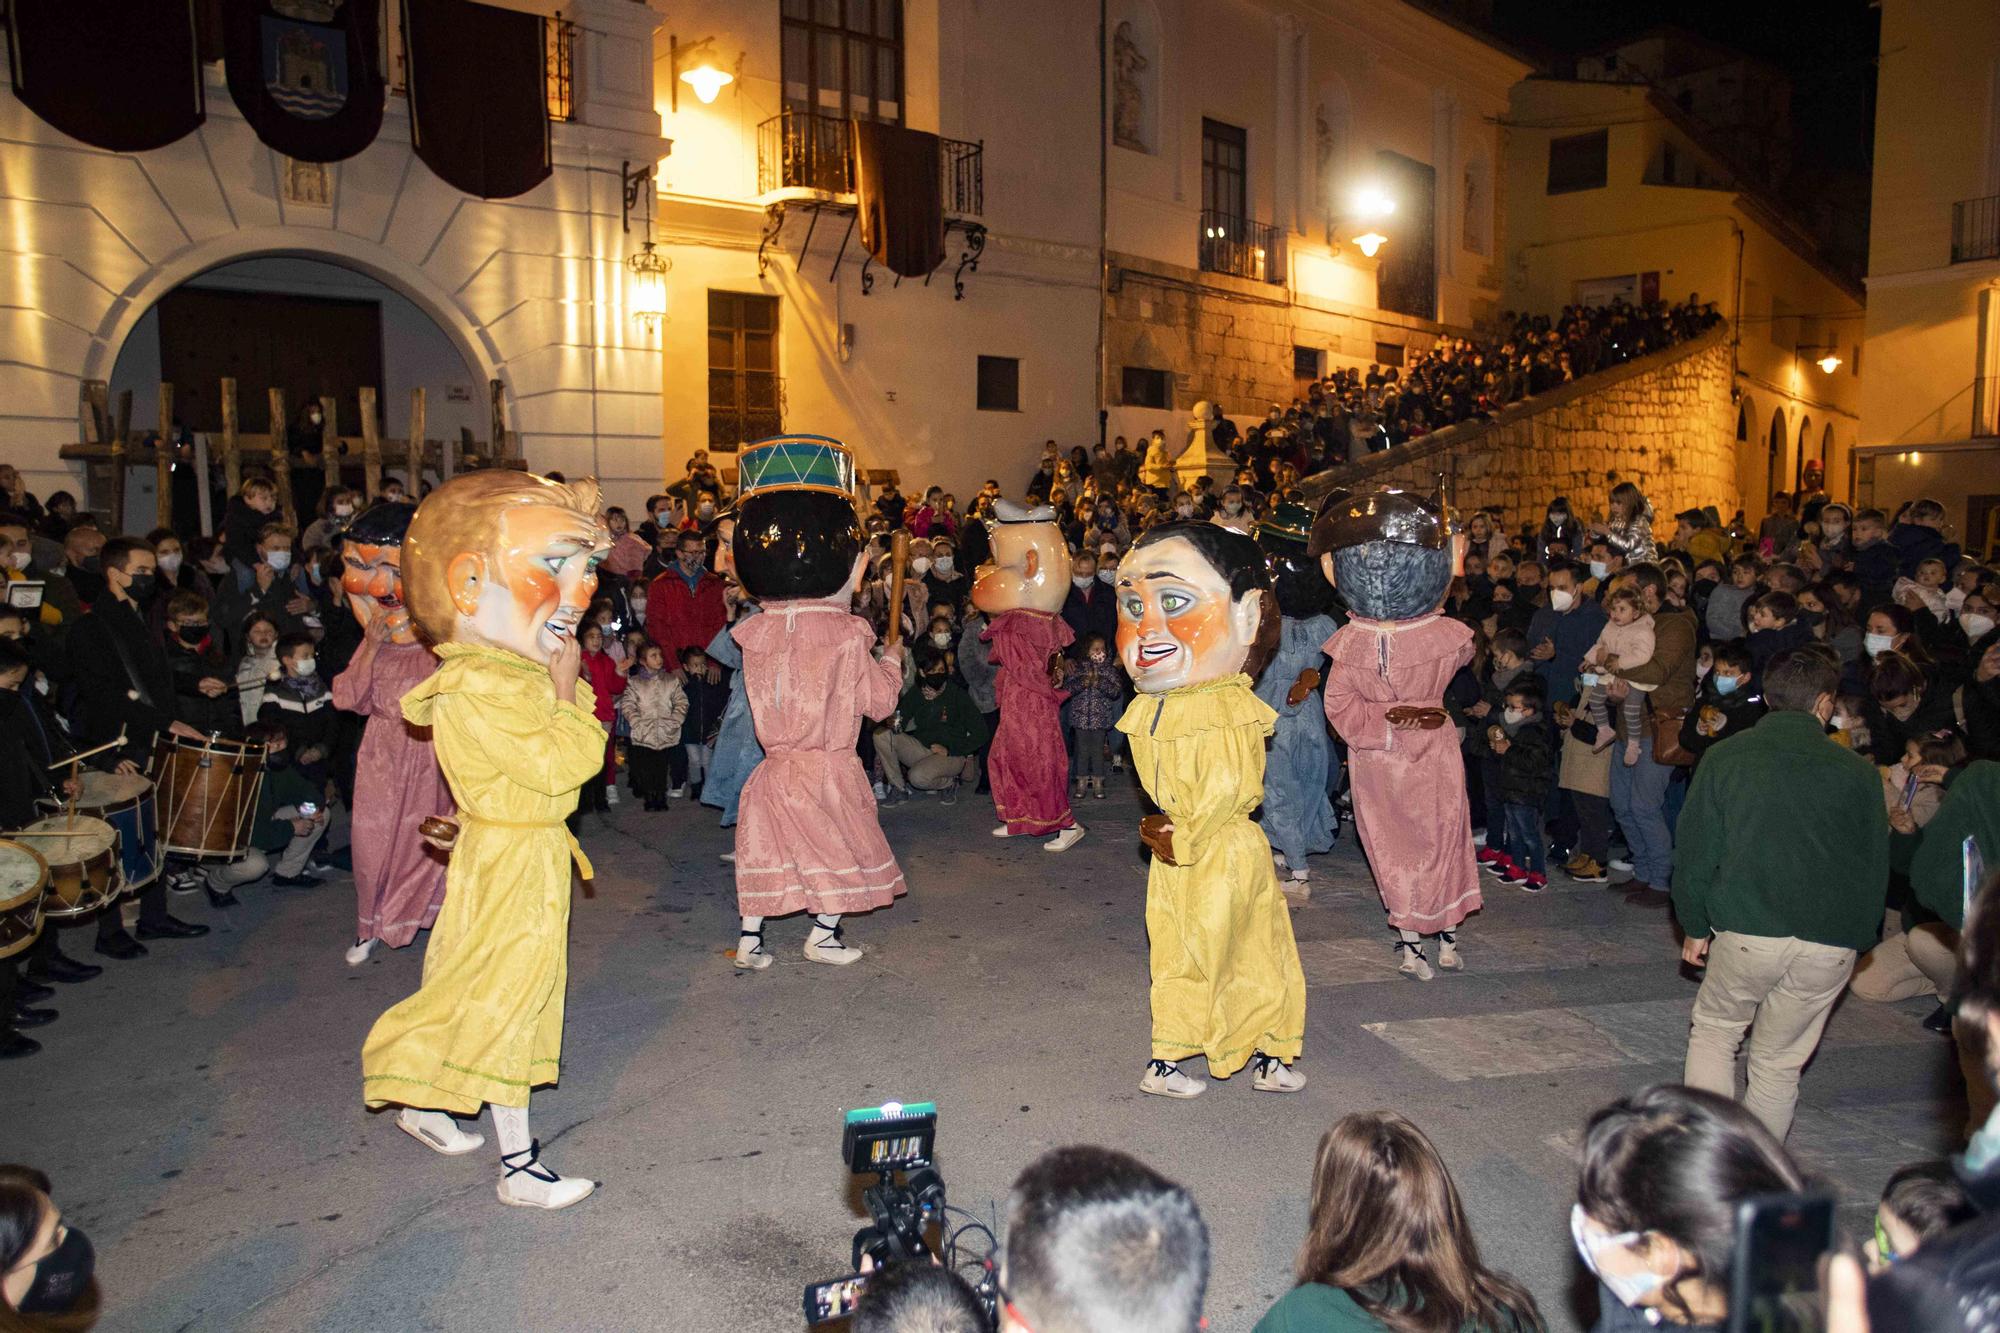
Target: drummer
{"x": 123, "y": 681}
{"x": 25, "y": 777}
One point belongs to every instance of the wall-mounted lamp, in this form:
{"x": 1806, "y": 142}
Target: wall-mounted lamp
{"x": 1368, "y": 242}
{"x": 694, "y": 65}
{"x": 649, "y": 267}
{"x": 1828, "y": 360}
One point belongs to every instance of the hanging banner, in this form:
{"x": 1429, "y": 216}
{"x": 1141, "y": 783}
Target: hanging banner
{"x": 306, "y": 74}
{"x": 479, "y": 106}
{"x": 117, "y": 75}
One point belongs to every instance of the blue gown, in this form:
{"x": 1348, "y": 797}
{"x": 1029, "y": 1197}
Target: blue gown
{"x": 736, "y": 748}
{"x": 1298, "y": 817}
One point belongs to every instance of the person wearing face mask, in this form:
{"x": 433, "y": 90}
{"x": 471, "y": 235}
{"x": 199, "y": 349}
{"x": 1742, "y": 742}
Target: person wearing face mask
{"x": 685, "y": 603}
{"x": 300, "y": 704}
{"x": 936, "y": 740}
{"x": 125, "y": 683}
{"x": 337, "y": 508}
{"x": 271, "y": 586}
{"x": 944, "y": 583}
{"x": 1655, "y": 1219}
{"x": 47, "y": 1267}
{"x": 1726, "y": 704}
{"x": 1906, "y": 701}
{"x": 1559, "y": 526}
{"x": 1777, "y": 896}
{"x": 1558, "y": 635}
{"x": 1092, "y": 605}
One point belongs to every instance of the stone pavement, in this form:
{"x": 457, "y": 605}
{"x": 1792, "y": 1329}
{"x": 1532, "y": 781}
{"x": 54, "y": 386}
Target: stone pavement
{"x": 200, "y": 1110}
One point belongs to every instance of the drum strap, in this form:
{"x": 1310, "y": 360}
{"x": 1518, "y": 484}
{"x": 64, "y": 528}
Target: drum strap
{"x": 131, "y": 669}
{"x": 583, "y": 866}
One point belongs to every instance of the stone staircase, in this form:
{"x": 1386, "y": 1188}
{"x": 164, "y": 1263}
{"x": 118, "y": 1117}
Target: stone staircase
{"x": 1664, "y": 422}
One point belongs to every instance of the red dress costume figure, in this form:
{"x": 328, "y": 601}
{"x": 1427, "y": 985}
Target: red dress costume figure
{"x": 1022, "y": 592}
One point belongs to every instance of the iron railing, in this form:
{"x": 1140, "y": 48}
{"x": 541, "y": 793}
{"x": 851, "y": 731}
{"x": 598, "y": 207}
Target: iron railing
{"x": 1975, "y": 229}
{"x": 1242, "y": 248}
{"x": 803, "y": 150}
{"x": 560, "y": 36}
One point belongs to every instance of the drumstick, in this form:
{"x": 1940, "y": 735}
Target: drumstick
{"x": 69, "y": 806}
{"x": 78, "y": 758}
{"x": 899, "y": 558}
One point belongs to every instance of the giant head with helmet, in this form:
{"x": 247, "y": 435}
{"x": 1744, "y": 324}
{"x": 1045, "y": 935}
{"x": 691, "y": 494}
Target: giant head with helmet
{"x": 1301, "y": 585}
{"x": 1391, "y": 553}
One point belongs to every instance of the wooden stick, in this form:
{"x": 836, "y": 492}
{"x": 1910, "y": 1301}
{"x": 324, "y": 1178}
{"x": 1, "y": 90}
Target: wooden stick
{"x": 329, "y": 442}
{"x": 899, "y": 562}
{"x": 371, "y": 446}
{"x": 121, "y": 426}
{"x": 413, "y": 467}
{"x": 85, "y": 754}
{"x": 232, "y": 461}
{"x": 281, "y": 458}
{"x": 163, "y": 459}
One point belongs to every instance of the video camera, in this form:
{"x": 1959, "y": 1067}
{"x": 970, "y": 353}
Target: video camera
{"x": 895, "y": 1143}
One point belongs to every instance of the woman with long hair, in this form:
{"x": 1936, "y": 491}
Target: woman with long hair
{"x": 1655, "y": 1217}
{"x": 1388, "y": 1246}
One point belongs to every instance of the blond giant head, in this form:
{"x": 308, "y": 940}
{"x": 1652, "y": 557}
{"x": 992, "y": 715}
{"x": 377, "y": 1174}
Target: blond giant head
{"x": 505, "y": 560}
{"x": 1030, "y": 565}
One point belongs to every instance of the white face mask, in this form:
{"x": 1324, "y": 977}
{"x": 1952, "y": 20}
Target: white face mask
{"x": 943, "y": 565}
{"x": 920, "y": 565}
{"x": 303, "y": 666}
{"x": 1975, "y": 625}
{"x": 278, "y": 560}
{"x": 942, "y": 639}
{"x": 1515, "y": 716}
{"x": 1082, "y": 581}
{"x": 170, "y": 562}
{"x": 1185, "y": 511}
{"x": 1874, "y": 644}
{"x": 19, "y": 559}
{"x": 1107, "y": 575}
{"x": 1598, "y": 569}
{"x": 1561, "y": 599}
{"x": 1629, "y": 1288}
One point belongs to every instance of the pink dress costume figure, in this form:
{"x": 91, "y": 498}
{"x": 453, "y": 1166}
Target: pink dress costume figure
{"x": 1391, "y": 557}
{"x": 398, "y": 877}
{"x": 807, "y": 835}
{"x": 1022, "y": 593}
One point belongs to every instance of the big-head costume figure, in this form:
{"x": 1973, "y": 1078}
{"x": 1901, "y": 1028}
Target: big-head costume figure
{"x": 737, "y": 753}
{"x": 1298, "y": 815}
{"x": 1196, "y": 623}
{"x": 399, "y": 879}
{"x": 1392, "y": 556}
{"x": 807, "y": 835}
{"x": 498, "y": 571}
{"x": 1022, "y": 592}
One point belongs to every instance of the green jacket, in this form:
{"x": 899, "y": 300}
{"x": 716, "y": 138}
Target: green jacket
{"x": 1784, "y": 835}
{"x": 1971, "y": 808}
{"x": 950, "y": 720}
{"x": 282, "y": 787}
{"x": 1314, "y": 1307}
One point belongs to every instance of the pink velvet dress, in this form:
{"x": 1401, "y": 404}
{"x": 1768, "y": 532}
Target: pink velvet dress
{"x": 1409, "y": 786}
{"x": 1028, "y": 766}
{"x": 807, "y": 836}
{"x": 398, "y": 878}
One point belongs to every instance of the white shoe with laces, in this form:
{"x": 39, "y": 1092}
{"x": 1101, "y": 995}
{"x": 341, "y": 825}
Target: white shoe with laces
{"x": 529, "y": 1184}
{"x": 755, "y": 958}
{"x": 438, "y": 1132}
{"x": 1415, "y": 965}
{"x": 1002, "y": 832}
{"x": 1164, "y": 1078}
{"x": 1270, "y": 1074}
{"x": 358, "y": 955}
{"x": 1448, "y": 959}
{"x": 826, "y": 946}
{"x": 1064, "y": 840}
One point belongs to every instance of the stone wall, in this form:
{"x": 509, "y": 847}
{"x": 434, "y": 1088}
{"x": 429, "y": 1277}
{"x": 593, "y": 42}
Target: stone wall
{"x": 1664, "y": 422}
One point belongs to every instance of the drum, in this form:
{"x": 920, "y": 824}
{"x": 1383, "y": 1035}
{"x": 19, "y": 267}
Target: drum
{"x": 125, "y": 801}
{"x": 23, "y": 877}
{"x": 207, "y": 793}
{"x": 82, "y": 855}
{"x": 795, "y": 462}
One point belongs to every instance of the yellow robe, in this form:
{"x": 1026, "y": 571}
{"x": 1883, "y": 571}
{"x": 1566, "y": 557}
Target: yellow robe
{"x": 486, "y": 1025}
{"x": 1226, "y": 976}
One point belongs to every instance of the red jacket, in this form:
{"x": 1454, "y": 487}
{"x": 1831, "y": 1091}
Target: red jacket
{"x": 605, "y": 683}
{"x": 677, "y": 618}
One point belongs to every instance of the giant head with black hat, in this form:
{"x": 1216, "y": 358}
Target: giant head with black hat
{"x": 798, "y": 534}
{"x": 1301, "y": 586}
{"x": 371, "y": 568}
{"x": 1391, "y": 553}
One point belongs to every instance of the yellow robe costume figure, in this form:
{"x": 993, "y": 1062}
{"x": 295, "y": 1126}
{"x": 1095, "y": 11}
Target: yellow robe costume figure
{"x": 1226, "y": 976}
{"x": 486, "y": 1025}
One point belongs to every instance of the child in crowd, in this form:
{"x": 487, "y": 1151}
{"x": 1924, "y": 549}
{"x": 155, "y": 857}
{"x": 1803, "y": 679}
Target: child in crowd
{"x": 1527, "y": 752}
{"x": 1625, "y": 642}
{"x": 707, "y": 696}
{"x": 1505, "y": 660}
{"x": 1726, "y": 604}
{"x": 201, "y": 677}
{"x": 1966, "y": 579}
{"x": 258, "y": 665}
{"x": 607, "y": 682}
{"x": 1726, "y": 701}
{"x": 300, "y": 703}
{"x": 1875, "y": 562}
{"x": 1913, "y": 786}
{"x": 243, "y": 519}
{"x": 1850, "y": 721}
{"x": 1919, "y": 1204}
{"x": 1928, "y": 588}
{"x": 1096, "y": 685}
{"x": 654, "y": 706}
{"x": 1775, "y": 628}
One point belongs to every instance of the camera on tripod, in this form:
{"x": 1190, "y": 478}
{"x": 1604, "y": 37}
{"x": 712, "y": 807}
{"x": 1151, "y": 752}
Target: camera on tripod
{"x": 895, "y": 1143}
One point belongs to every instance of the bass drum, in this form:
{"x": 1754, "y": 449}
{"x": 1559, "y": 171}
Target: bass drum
{"x": 24, "y": 876}
{"x": 126, "y": 802}
{"x": 82, "y": 857}
{"x": 207, "y": 793}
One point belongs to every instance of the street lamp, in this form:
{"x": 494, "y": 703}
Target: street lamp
{"x": 1370, "y": 241}
{"x": 704, "y": 78}
{"x": 649, "y": 285}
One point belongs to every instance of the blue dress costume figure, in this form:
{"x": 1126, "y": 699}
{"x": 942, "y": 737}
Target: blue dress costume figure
{"x": 736, "y": 749}
{"x": 1303, "y": 767}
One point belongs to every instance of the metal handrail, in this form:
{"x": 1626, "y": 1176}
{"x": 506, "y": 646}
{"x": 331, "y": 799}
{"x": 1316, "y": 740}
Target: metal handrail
{"x": 804, "y": 150}
{"x": 1975, "y": 229}
{"x": 1242, "y": 247}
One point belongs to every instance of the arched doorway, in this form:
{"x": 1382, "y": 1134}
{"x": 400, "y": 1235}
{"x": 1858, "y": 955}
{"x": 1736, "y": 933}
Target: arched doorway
{"x": 307, "y": 326}
{"x": 1805, "y": 452}
{"x": 1774, "y": 460}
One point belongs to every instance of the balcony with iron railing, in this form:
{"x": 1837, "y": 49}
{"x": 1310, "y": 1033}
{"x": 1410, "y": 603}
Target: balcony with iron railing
{"x": 1242, "y": 248}
{"x": 813, "y": 155}
{"x": 1975, "y": 229}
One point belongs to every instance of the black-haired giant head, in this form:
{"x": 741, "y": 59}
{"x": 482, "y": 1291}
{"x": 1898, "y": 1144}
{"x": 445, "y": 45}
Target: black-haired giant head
{"x": 1296, "y": 577}
{"x": 1194, "y": 606}
{"x": 797, "y": 534}
{"x": 371, "y": 568}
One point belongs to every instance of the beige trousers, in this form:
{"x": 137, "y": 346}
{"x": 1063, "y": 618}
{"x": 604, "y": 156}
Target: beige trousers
{"x": 1786, "y": 987}
{"x": 907, "y": 762}
{"x": 1904, "y": 966}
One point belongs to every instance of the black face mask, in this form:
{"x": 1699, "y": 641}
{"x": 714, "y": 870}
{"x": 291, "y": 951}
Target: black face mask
{"x": 62, "y": 1279}
{"x": 141, "y": 587}
{"x": 1813, "y": 619}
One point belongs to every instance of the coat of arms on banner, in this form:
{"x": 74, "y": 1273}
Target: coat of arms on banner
{"x": 305, "y": 62}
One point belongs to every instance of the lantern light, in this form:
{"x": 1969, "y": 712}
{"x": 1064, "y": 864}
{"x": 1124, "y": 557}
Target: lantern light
{"x": 649, "y": 285}
{"x": 1368, "y": 242}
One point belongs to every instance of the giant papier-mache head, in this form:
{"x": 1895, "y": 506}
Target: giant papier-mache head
{"x": 797, "y": 535}
{"x": 1392, "y": 554}
{"x": 1296, "y": 577}
{"x": 1194, "y": 606}
{"x": 1030, "y": 567}
{"x": 371, "y": 569}
{"x": 504, "y": 559}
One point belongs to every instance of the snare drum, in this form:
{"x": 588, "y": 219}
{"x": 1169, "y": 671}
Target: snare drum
{"x": 82, "y": 855}
{"x": 126, "y": 802}
{"x": 207, "y": 795}
{"x": 23, "y": 877}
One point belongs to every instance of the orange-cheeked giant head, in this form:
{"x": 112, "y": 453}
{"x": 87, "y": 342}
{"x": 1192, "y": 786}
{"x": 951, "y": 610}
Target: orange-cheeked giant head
{"x": 371, "y": 569}
{"x": 1194, "y": 606}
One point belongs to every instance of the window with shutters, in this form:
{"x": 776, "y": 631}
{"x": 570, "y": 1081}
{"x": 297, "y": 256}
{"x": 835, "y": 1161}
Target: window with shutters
{"x": 843, "y": 58}
{"x": 745, "y": 394}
